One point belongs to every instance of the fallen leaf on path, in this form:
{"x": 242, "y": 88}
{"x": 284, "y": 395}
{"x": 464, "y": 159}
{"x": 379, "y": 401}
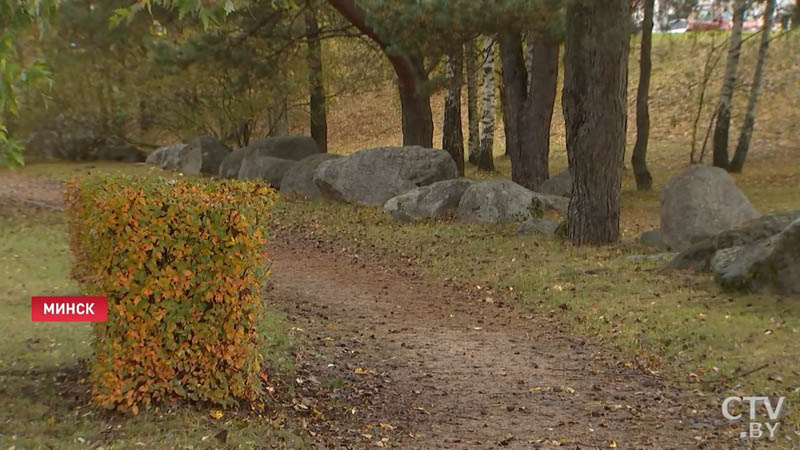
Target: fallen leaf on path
{"x": 216, "y": 414}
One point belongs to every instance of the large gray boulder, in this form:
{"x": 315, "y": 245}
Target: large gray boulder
{"x": 699, "y": 203}
{"x": 371, "y": 177}
{"x": 698, "y": 256}
{"x": 119, "y": 151}
{"x": 299, "y": 179}
{"x": 774, "y": 262}
{"x": 498, "y": 201}
{"x": 42, "y": 145}
{"x": 266, "y": 168}
{"x": 64, "y": 137}
{"x": 560, "y": 184}
{"x": 295, "y": 148}
{"x": 202, "y": 155}
{"x": 170, "y": 159}
{"x": 230, "y": 166}
{"x": 427, "y": 202}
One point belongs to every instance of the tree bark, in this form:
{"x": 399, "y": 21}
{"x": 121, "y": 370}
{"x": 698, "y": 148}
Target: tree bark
{"x": 474, "y": 138}
{"x": 411, "y": 78}
{"x": 796, "y": 15}
{"x": 452, "y": 132}
{"x": 486, "y": 152}
{"x": 743, "y": 145}
{"x": 529, "y": 106}
{"x": 644, "y": 180}
{"x": 319, "y": 120}
{"x": 595, "y": 82}
{"x": 723, "y": 124}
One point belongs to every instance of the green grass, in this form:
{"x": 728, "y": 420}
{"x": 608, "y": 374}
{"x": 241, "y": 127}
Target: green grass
{"x": 42, "y": 390}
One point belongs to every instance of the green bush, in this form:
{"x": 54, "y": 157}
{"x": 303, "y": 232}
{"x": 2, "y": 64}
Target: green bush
{"x": 182, "y": 264}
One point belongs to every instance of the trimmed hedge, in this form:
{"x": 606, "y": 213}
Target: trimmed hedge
{"x": 182, "y": 263}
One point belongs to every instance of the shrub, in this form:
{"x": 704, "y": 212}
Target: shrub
{"x": 182, "y": 263}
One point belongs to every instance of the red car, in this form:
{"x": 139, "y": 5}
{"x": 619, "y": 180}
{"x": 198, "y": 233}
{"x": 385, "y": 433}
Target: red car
{"x": 709, "y": 20}
{"x": 752, "y": 22}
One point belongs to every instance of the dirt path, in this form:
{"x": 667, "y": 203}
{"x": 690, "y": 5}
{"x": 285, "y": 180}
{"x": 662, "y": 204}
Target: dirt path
{"x": 22, "y": 190}
{"x": 443, "y": 367}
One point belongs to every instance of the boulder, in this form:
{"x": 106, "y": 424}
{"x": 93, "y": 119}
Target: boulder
{"x": 652, "y": 238}
{"x": 371, "y": 177}
{"x": 172, "y": 156}
{"x": 773, "y": 262}
{"x": 560, "y": 185}
{"x": 115, "y": 150}
{"x": 537, "y": 225}
{"x": 265, "y": 168}
{"x": 499, "y": 201}
{"x": 699, "y": 203}
{"x": 42, "y": 145}
{"x": 698, "y": 256}
{"x": 295, "y": 148}
{"x": 202, "y": 155}
{"x": 427, "y": 202}
{"x": 230, "y": 166}
{"x": 299, "y": 179}
{"x": 156, "y": 157}
{"x": 64, "y": 137}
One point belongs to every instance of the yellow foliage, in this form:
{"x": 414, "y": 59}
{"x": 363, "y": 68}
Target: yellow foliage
{"x": 182, "y": 264}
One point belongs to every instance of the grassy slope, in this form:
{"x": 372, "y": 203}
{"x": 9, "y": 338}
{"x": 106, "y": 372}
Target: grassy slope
{"x": 43, "y": 396}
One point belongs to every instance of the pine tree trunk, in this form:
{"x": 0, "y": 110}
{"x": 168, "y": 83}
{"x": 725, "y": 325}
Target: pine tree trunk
{"x": 594, "y": 101}
{"x": 474, "y": 138}
{"x": 644, "y": 180}
{"x": 723, "y": 124}
{"x": 409, "y": 67}
{"x": 452, "y": 132}
{"x": 796, "y": 15}
{"x": 743, "y": 145}
{"x": 529, "y": 106}
{"x": 319, "y": 121}
{"x": 486, "y": 152}
{"x": 415, "y": 104}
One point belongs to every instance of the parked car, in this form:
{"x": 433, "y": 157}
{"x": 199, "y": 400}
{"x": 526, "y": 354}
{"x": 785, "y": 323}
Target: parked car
{"x": 709, "y": 20}
{"x": 752, "y": 22}
{"x": 678, "y": 26}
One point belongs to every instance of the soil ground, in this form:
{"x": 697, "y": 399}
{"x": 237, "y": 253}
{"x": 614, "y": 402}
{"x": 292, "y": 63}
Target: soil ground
{"x": 429, "y": 365}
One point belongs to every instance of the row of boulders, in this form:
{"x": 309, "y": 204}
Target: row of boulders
{"x": 73, "y": 139}
{"x": 712, "y": 225}
{"x": 411, "y": 183}
{"x": 495, "y": 201}
{"x": 286, "y": 163}
{"x": 704, "y": 216}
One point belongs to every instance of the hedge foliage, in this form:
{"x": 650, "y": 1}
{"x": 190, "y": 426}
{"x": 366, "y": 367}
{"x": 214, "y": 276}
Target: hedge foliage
{"x": 182, "y": 263}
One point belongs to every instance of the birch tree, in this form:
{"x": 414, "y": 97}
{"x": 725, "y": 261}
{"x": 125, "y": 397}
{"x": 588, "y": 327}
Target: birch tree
{"x": 743, "y": 145}
{"x": 722, "y": 128}
{"x": 474, "y": 137}
{"x": 486, "y": 152}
